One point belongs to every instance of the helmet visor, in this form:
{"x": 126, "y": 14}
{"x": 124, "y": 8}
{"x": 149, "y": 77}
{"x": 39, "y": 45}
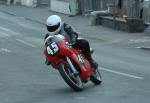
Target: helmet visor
{"x": 53, "y": 28}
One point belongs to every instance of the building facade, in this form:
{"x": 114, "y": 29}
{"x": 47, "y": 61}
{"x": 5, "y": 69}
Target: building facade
{"x": 130, "y": 8}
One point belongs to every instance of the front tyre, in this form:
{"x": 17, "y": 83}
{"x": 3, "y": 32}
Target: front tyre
{"x": 96, "y": 78}
{"x": 74, "y": 81}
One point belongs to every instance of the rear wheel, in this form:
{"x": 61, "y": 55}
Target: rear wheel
{"x": 96, "y": 78}
{"x": 72, "y": 79}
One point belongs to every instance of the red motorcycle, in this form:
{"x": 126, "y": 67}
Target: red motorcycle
{"x": 71, "y": 63}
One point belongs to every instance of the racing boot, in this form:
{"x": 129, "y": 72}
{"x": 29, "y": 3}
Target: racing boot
{"x": 93, "y": 64}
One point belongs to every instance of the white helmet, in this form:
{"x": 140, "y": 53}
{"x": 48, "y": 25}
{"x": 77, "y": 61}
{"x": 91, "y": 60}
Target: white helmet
{"x": 53, "y": 24}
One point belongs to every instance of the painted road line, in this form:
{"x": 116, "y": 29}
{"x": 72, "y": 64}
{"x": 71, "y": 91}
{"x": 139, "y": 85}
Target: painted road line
{"x": 120, "y": 73}
{"x": 28, "y": 26}
{"x": 2, "y": 34}
{"x": 4, "y": 50}
{"x": 26, "y": 43}
{"x": 144, "y": 47}
{"x": 9, "y": 31}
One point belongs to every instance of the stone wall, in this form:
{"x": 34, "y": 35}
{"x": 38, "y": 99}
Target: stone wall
{"x": 130, "y": 25}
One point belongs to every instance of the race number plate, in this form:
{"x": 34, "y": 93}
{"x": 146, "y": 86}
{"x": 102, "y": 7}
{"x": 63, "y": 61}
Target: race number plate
{"x": 52, "y": 49}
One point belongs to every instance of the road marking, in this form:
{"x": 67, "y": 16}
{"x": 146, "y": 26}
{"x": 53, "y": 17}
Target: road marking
{"x": 5, "y": 29}
{"x": 28, "y": 26}
{"x": 80, "y": 98}
{"x": 9, "y": 31}
{"x": 143, "y": 47}
{"x": 26, "y": 43}
{"x": 140, "y": 40}
{"x": 4, "y": 50}
{"x": 4, "y": 34}
{"x": 120, "y": 73}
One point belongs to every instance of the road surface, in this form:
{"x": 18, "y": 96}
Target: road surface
{"x": 24, "y": 78}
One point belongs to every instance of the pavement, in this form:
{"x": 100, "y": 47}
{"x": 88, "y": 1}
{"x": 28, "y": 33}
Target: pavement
{"x": 81, "y": 23}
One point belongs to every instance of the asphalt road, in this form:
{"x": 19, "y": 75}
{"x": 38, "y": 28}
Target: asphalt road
{"x": 24, "y": 78}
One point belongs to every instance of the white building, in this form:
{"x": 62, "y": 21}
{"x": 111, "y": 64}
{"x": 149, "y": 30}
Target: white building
{"x": 30, "y": 3}
{"x": 64, "y": 6}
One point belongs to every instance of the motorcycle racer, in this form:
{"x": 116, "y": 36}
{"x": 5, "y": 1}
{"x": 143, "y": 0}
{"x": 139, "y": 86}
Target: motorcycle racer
{"x": 55, "y": 26}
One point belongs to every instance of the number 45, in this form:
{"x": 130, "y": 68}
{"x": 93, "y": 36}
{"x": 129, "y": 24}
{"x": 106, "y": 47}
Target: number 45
{"x": 52, "y": 49}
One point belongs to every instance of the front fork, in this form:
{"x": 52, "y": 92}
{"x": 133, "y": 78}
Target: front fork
{"x": 74, "y": 71}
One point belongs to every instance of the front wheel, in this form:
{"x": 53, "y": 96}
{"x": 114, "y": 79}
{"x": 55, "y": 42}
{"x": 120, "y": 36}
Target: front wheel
{"x": 73, "y": 80}
{"x": 96, "y": 78}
